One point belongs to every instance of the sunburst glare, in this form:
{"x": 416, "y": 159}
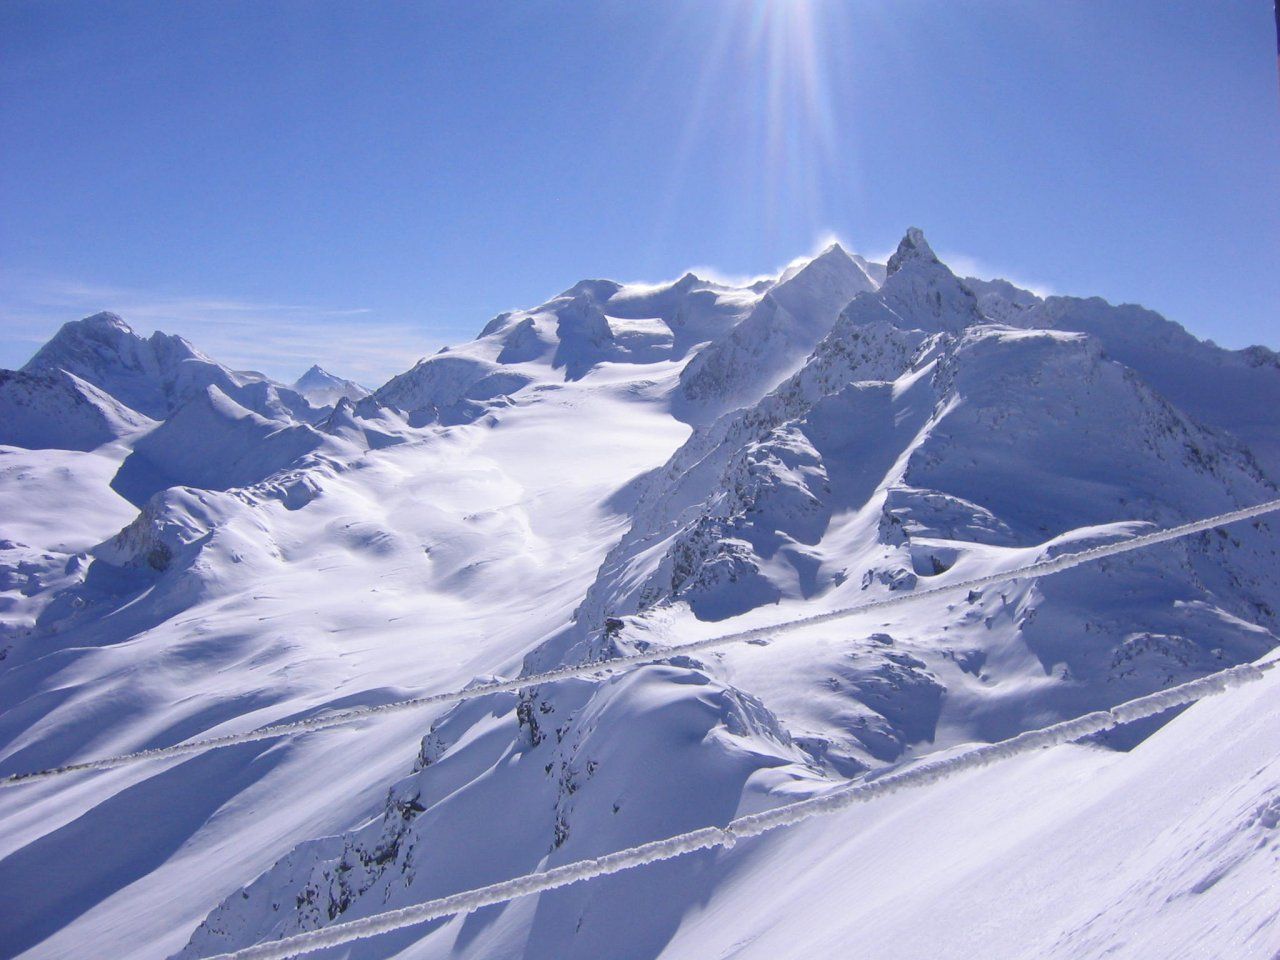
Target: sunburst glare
{"x": 766, "y": 86}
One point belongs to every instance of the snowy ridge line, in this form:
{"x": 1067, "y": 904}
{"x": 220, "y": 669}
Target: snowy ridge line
{"x": 343, "y": 718}
{"x": 924, "y": 774}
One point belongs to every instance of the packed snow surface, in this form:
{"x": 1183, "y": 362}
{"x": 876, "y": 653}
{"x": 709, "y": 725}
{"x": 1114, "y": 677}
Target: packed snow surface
{"x": 187, "y": 551}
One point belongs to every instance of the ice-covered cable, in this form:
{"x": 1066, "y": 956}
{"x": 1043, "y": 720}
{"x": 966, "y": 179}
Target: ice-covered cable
{"x": 926, "y": 772}
{"x": 343, "y": 718}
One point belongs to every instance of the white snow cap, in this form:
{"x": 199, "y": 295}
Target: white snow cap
{"x": 106, "y": 318}
{"x": 913, "y": 247}
{"x": 324, "y": 389}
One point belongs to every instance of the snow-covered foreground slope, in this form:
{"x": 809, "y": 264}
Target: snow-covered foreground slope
{"x": 619, "y": 467}
{"x": 1170, "y": 851}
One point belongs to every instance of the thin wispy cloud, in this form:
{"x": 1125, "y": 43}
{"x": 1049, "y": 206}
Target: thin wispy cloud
{"x": 279, "y": 339}
{"x": 963, "y": 265}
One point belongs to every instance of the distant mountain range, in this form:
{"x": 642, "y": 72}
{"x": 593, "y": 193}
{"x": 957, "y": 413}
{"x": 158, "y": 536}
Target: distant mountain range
{"x": 191, "y": 550}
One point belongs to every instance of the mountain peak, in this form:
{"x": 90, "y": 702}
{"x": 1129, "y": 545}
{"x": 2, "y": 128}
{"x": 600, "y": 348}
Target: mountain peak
{"x": 153, "y": 375}
{"x": 89, "y": 342}
{"x": 913, "y": 247}
{"x": 593, "y": 289}
{"x": 831, "y": 260}
{"x": 103, "y": 327}
{"x": 324, "y": 389}
{"x": 107, "y": 319}
{"x": 317, "y": 374}
{"x": 832, "y": 254}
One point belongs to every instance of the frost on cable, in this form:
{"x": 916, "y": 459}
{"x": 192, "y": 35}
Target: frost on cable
{"x": 922, "y": 776}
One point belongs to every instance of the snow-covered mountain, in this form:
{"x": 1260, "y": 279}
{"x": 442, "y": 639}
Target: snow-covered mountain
{"x": 323, "y": 389}
{"x": 620, "y": 467}
{"x": 782, "y": 328}
{"x": 214, "y": 443}
{"x": 641, "y": 332}
{"x": 58, "y": 410}
{"x": 158, "y": 374}
{"x": 1234, "y": 390}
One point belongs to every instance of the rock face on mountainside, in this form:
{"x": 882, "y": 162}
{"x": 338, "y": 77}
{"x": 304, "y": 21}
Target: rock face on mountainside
{"x": 620, "y": 468}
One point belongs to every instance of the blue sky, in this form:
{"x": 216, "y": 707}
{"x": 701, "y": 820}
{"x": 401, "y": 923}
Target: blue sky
{"x": 360, "y": 183}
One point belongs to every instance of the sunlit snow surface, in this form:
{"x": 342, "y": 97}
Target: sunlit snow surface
{"x": 627, "y": 465}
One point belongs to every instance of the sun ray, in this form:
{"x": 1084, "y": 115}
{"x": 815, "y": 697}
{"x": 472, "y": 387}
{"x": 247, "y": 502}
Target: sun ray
{"x": 766, "y": 76}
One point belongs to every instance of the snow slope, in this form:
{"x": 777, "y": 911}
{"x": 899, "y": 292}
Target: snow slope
{"x": 1168, "y": 851}
{"x": 58, "y": 410}
{"x": 55, "y": 506}
{"x": 1233, "y": 390}
{"x": 790, "y": 318}
{"x": 333, "y": 586}
{"x": 628, "y": 465}
{"x": 214, "y": 443}
{"x": 596, "y": 325}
